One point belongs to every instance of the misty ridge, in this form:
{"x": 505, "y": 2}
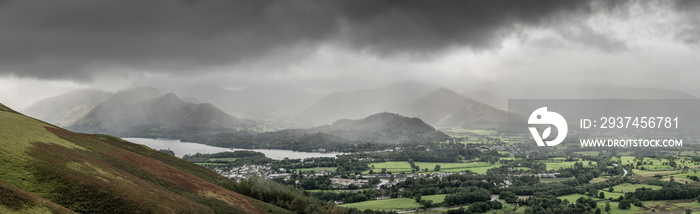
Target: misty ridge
{"x": 290, "y": 114}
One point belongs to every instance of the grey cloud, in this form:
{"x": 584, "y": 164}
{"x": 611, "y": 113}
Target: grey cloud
{"x": 593, "y": 39}
{"x": 73, "y": 39}
{"x": 691, "y": 32}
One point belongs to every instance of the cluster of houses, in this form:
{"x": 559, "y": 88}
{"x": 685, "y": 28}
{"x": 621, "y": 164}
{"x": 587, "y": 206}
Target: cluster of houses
{"x": 344, "y": 182}
{"x": 247, "y": 171}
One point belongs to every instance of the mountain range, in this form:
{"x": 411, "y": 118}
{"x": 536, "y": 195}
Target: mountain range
{"x": 146, "y": 112}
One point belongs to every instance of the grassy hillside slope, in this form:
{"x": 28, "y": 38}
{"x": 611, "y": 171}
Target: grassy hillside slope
{"x": 16, "y": 200}
{"x": 101, "y": 174}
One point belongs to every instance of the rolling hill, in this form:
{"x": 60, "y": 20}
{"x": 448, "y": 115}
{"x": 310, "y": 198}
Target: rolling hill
{"x": 144, "y": 112}
{"x": 374, "y": 131}
{"x": 384, "y": 128}
{"x": 447, "y": 108}
{"x": 46, "y": 169}
{"x": 63, "y": 110}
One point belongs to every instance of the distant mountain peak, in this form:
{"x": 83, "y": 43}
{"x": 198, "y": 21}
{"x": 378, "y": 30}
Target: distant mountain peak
{"x": 407, "y": 83}
{"x": 383, "y": 116}
{"x": 360, "y": 103}
{"x": 135, "y": 95}
{"x": 170, "y": 97}
{"x": 445, "y": 92}
{"x": 136, "y": 115}
{"x": 151, "y": 90}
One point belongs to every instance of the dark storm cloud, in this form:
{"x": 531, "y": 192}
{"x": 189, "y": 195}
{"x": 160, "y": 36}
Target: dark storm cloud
{"x": 425, "y": 26}
{"x": 73, "y": 39}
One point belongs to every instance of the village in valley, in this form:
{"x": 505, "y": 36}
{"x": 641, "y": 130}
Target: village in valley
{"x": 473, "y": 168}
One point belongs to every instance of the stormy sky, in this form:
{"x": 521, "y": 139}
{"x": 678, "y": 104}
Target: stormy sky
{"x": 519, "y": 47}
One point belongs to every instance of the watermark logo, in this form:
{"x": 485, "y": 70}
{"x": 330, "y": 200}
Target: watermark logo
{"x": 543, "y": 117}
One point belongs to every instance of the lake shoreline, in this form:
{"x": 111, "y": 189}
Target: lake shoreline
{"x": 188, "y": 148}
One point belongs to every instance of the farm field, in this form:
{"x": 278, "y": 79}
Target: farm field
{"x": 616, "y": 210}
{"x": 394, "y": 203}
{"x": 573, "y": 197}
{"x": 598, "y": 180}
{"x": 507, "y": 208}
{"x": 649, "y": 205}
{"x": 687, "y": 174}
{"x": 646, "y": 173}
{"x": 614, "y": 195}
{"x": 463, "y": 131}
{"x": 656, "y": 164}
{"x": 632, "y": 187}
{"x": 668, "y": 205}
{"x": 588, "y": 153}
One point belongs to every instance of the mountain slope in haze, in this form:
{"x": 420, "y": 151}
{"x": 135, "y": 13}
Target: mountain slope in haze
{"x": 145, "y": 112}
{"x": 360, "y": 103}
{"x": 103, "y": 174}
{"x": 262, "y": 102}
{"x": 63, "y": 110}
{"x": 109, "y": 109}
{"x": 487, "y": 97}
{"x": 446, "y": 108}
{"x": 600, "y": 91}
{"x": 621, "y": 92}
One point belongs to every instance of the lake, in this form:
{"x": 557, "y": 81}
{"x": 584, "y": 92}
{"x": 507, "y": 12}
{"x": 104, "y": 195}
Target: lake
{"x": 184, "y": 148}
